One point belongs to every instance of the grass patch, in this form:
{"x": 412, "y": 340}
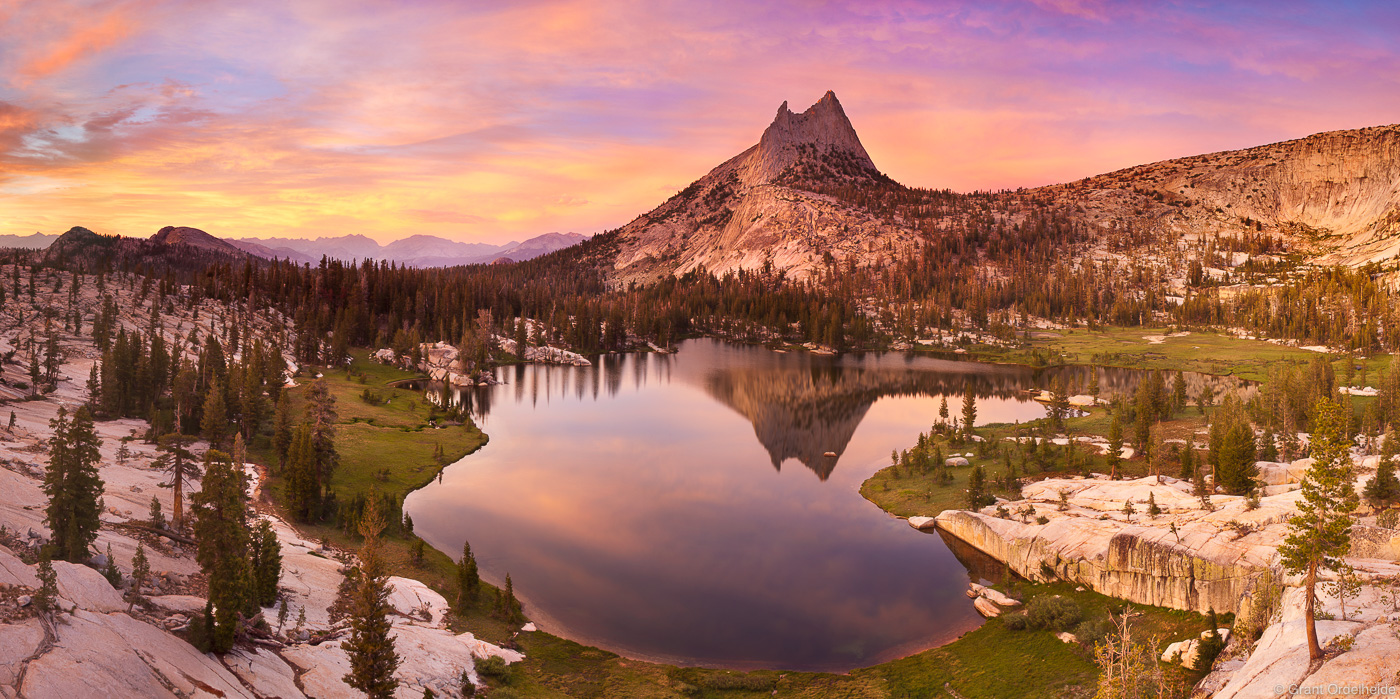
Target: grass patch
{"x": 1204, "y": 352}
{"x": 995, "y": 661}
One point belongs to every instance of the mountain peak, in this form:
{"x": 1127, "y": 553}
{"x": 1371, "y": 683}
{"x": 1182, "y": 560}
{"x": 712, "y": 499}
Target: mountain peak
{"x": 185, "y": 235}
{"x": 823, "y": 128}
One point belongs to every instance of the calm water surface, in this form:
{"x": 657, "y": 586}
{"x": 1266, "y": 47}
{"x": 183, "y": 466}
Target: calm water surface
{"x": 680, "y": 507}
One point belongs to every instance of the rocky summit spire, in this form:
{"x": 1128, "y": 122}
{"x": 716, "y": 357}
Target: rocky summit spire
{"x": 823, "y": 126}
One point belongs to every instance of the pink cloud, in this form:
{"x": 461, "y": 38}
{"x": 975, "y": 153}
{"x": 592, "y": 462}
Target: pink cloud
{"x": 391, "y": 118}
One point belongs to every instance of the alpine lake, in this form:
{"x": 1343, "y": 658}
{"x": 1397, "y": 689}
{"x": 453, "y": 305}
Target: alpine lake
{"x": 702, "y": 507}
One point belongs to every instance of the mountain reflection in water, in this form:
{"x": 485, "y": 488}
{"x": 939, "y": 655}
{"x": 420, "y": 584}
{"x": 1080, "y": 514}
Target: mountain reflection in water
{"x": 635, "y": 510}
{"x": 804, "y": 406}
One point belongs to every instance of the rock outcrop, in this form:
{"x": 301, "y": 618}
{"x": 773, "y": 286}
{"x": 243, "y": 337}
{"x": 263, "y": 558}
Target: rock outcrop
{"x": 1204, "y": 563}
{"x": 764, "y": 206}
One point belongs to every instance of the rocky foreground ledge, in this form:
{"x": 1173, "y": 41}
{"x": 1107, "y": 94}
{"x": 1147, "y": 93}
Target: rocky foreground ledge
{"x": 1191, "y": 558}
{"x": 102, "y": 644}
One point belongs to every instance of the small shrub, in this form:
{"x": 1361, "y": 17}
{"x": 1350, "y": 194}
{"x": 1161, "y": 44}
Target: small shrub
{"x": 1042, "y": 519}
{"x": 1014, "y": 622}
{"x": 494, "y": 668}
{"x": 727, "y": 681}
{"x": 1388, "y": 519}
{"x": 1053, "y": 613}
{"x": 1092, "y": 631}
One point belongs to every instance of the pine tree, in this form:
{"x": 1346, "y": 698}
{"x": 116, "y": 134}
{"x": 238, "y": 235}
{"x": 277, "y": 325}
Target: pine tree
{"x": 266, "y": 554}
{"x": 177, "y": 460}
{"x": 282, "y": 435}
{"x": 1178, "y": 392}
{"x": 1320, "y": 534}
{"x": 140, "y": 570}
{"x": 321, "y": 415}
{"x": 943, "y": 409}
{"x": 214, "y": 424}
{"x": 370, "y": 647}
{"x": 1201, "y": 490}
{"x": 1384, "y": 488}
{"x": 1115, "y": 446}
{"x": 1235, "y": 466}
{"x": 303, "y": 490}
{"x": 1152, "y": 508}
{"x": 1059, "y": 403}
{"x": 73, "y": 485}
{"x": 507, "y": 606}
{"x": 969, "y": 411}
{"x": 111, "y": 571}
{"x": 977, "y": 496}
{"x": 253, "y": 403}
{"x": 221, "y": 528}
{"x": 156, "y": 517}
{"x": 46, "y": 598}
{"x": 468, "y": 579}
{"x": 1188, "y": 463}
{"x": 1094, "y": 383}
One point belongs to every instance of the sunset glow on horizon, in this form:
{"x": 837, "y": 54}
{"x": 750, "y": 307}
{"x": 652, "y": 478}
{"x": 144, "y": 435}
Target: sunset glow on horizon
{"x": 486, "y": 122}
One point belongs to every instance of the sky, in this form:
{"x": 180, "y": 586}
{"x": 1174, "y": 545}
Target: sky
{"x": 492, "y": 121}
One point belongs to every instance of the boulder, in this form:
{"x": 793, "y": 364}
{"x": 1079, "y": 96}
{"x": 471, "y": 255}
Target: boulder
{"x": 955, "y": 461}
{"x": 922, "y": 522}
{"x": 1272, "y": 473}
{"x": 414, "y": 599}
{"x": 1182, "y": 653}
{"x": 994, "y": 595}
{"x": 986, "y": 608}
{"x": 1298, "y": 470}
{"x": 1067, "y": 637}
{"x": 85, "y": 588}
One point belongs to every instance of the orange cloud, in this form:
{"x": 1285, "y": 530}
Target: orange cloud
{"x": 77, "y": 43}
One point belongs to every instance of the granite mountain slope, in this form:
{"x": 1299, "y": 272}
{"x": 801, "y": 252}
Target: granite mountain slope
{"x": 808, "y": 195}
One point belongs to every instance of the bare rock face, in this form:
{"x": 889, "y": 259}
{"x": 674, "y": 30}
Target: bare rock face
{"x": 113, "y": 655}
{"x": 821, "y": 130}
{"x": 17, "y": 643}
{"x": 13, "y": 571}
{"x": 1343, "y": 186}
{"x": 808, "y": 194}
{"x": 765, "y": 206}
{"x": 263, "y": 672}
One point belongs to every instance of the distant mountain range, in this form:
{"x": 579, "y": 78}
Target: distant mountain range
{"x": 414, "y": 251}
{"x": 38, "y": 241}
